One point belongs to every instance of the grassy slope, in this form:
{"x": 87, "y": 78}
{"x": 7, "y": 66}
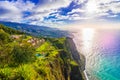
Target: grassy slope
{"x": 49, "y": 61}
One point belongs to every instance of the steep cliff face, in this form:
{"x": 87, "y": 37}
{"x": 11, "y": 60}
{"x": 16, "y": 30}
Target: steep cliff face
{"x": 76, "y": 56}
{"x": 64, "y": 67}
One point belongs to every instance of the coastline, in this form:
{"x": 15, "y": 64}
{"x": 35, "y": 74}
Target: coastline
{"x": 85, "y": 75}
{"x": 79, "y": 58}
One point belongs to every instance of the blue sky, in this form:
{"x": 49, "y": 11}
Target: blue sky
{"x": 59, "y": 12}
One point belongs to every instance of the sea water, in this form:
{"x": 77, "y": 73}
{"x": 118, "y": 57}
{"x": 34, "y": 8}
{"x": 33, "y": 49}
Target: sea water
{"x": 101, "y": 49}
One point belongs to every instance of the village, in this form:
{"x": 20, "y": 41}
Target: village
{"x": 29, "y": 39}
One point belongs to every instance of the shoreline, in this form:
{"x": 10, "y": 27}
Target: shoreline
{"x": 85, "y": 75}
{"x": 82, "y": 66}
{"x": 78, "y": 57}
{"x": 82, "y": 63}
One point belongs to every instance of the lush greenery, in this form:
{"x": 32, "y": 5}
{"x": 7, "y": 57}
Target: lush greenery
{"x": 21, "y": 60}
{"x": 9, "y": 30}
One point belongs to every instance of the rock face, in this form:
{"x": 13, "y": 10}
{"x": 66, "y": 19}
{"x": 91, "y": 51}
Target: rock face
{"x": 79, "y": 58}
{"x": 72, "y": 49}
{"x": 66, "y": 65}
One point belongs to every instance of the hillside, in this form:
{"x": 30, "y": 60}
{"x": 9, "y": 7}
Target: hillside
{"x": 36, "y": 30}
{"x": 24, "y": 57}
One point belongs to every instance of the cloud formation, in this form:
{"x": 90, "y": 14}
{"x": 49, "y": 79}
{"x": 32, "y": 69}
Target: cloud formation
{"x": 58, "y": 12}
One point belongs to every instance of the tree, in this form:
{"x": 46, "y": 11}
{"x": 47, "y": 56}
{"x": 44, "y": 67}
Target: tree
{"x": 4, "y": 37}
{"x": 23, "y": 54}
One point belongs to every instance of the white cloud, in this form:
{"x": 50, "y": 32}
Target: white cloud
{"x": 106, "y": 1}
{"x": 27, "y": 6}
{"x": 80, "y": 1}
{"x": 14, "y": 10}
{"x": 78, "y": 10}
{"x": 115, "y": 7}
{"x": 112, "y": 16}
{"x": 98, "y": 8}
{"x": 91, "y": 10}
{"x": 52, "y": 5}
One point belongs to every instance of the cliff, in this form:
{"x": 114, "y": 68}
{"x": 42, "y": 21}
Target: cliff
{"x": 24, "y": 57}
{"x": 79, "y": 58}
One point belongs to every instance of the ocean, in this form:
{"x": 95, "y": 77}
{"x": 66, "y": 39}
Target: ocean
{"x": 101, "y": 49}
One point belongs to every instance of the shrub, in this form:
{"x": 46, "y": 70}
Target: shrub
{"x": 4, "y": 37}
{"x": 22, "y": 54}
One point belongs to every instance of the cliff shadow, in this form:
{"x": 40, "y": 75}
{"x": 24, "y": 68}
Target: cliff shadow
{"x": 78, "y": 57}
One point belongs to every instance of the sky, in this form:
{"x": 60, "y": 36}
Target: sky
{"x": 59, "y": 12}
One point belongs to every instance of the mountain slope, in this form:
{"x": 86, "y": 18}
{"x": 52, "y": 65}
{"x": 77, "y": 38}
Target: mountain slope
{"x": 36, "y": 30}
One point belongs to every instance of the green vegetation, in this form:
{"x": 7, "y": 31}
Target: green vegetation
{"x": 9, "y": 30}
{"x": 21, "y": 59}
{"x": 4, "y": 37}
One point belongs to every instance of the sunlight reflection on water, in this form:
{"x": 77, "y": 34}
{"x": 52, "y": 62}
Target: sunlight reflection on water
{"x": 87, "y": 38}
{"x": 101, "y": 49}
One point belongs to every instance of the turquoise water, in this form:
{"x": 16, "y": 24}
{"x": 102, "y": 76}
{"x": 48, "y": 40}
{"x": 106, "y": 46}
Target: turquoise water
{"x": 102, "y": 52}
